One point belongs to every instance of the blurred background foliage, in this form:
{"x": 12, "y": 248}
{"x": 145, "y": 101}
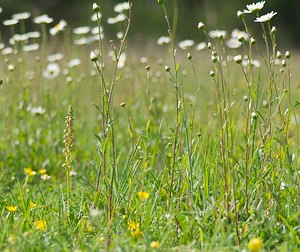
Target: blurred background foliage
{"x": 148, "y": 21}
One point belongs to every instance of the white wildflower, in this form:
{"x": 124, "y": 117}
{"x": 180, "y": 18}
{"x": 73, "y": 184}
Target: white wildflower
{"x": 220, "y": 34}
{"x": 119, "y": 18}
{"x": 59, "y": 27}
{"x": 21, "y": 16}
{"x": 37, "y": 110}
{"x": 186, "y": 44}
{"x": 74, "y": 62}
{"x": 82, "y": 30}
{"x": 55, "y": 57}
{"x": 31, "y": 47}
{"x": 52, "y": 71}
{"x": 254, "y": 7}
{"x": 201, "y": 46}
{"x": 265, "y": 18}
{"x": 33, "y": 34}
{"x": 121, "y": 7}
{"x": 43, "y": 19}
{"x": 10, "y": 22}
{"x": 7, "y": 51}
{"x": 96, "y": 16}
{"x": 163, "y": 40}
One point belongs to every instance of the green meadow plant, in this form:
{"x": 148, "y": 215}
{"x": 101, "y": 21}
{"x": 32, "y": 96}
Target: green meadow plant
{"x": 196, "y": 146}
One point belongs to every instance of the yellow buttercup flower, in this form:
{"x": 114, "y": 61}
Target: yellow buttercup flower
{"x": 32, "y": 204}
{"x": 154, "y": 244}
{"x": 42, "y": 171}
{"x": 12, "y": 209}
{"x": 134, "y": 227}
{"x": 255, "y": 244}
{"x": 40, "y": 225}
{"x": 143, "y": 195}
{"x": 29, "y": 172}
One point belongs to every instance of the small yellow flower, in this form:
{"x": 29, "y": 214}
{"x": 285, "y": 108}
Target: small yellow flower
{"x": 12, "y": 209}
{"x": 143, "y": 195}
{"x": 135, "y": 229}
{"x": 42, "y": 171}
{"x": 29, "y": 172}
{"x": 89, "y": 227}
{"x": 255, "y": 244}
{"x": 32, "y": 204}
{"x": 133, "y": 225}
{"x": 137, "y": 233}
{"x": 154, "y": 244}
{"x": 40, "y": 225}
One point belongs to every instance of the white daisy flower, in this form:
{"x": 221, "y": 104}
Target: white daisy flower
{"x": 43, "y": 19}
{"x": 82, "y": 30}
{"x": 31, "y": 47}
{"x": 119, "y": 18}
{"x": 220, "y": 34}
{"x": 37, "y": 110}
{"x": 95, "y": 30}
{"x": 59, "y": 27}
{"x": 254, "y": 7}
{"x": 233, "y": 43}
{"x": 201, "y": 46}
{"x": 34, "y": 34}
{"x": 1, "y": 46}
{"x": 7, "y": 51}
{"x": 52, "y": 71}
{"x": 21, "y": 16}
{"x": 120, "y": 7}
{"x": 265, "y": 18}
{"x": 186, "y": 44}
{"x": 10, "y": 22}
{"x": 163, "y": 40}
{"x": 74, "y": 62}
{"x": 55, "y": 57}
{"x": 96, "y": 16}
{"x": 239, "y": 35}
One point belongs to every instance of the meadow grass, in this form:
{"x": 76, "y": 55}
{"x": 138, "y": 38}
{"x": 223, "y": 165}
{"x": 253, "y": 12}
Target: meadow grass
{"x": 173, "y": 150}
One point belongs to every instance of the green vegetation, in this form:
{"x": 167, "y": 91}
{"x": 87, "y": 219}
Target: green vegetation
{"x": 106, "y": 146}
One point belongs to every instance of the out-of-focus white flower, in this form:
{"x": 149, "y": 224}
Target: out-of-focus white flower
{"x": 96, "y": 16}
{"x": 43, "y": 19}
{"x": 254, "y": 63}
{"x": 163, "y": 40}
{"x": 87, "y": 40}
{"x": 82, "y": 30}
{"x": 238, "y": 59}
{"x": 45, "y": 177}
{"x": 0, "y": 9}
{"x": 120, "y": 35}
{"x": 254, "y": 7}
{"x": 95, "y": 30}
{"x": 10, "y": 22}
{"x": 73, "y": 173}
{"x": 119, "y": 18}
{"x": 237, "y": 34}
{"x": 186, "y": 44}
{"x": 11, "y": 67}
{"x": 59, "y": 27}
{"x": 201, "y": 46}
{"x": 7, "y": 51}
{"x": 55, "y": 57}
{"x": 233, "y": 43}
{"x": 265, "y": 18}
{"x": 93, "y": 56}
{"x": 31, "y": 47}
{"x": 1, "y": 46}
{"x": 21, "y": 16}
{"x": 201, "y": 26}
{"x": 120, "y": 7}
{"x": 74, "y": 62}
{"x": 220, "y": 34}
{"x": 20, "y": 37}
{"x": 52, "y": 71}
{"x": 37, "y": 110}
{"x": 96, "y": 7}
{"x": 34, "y": 34}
